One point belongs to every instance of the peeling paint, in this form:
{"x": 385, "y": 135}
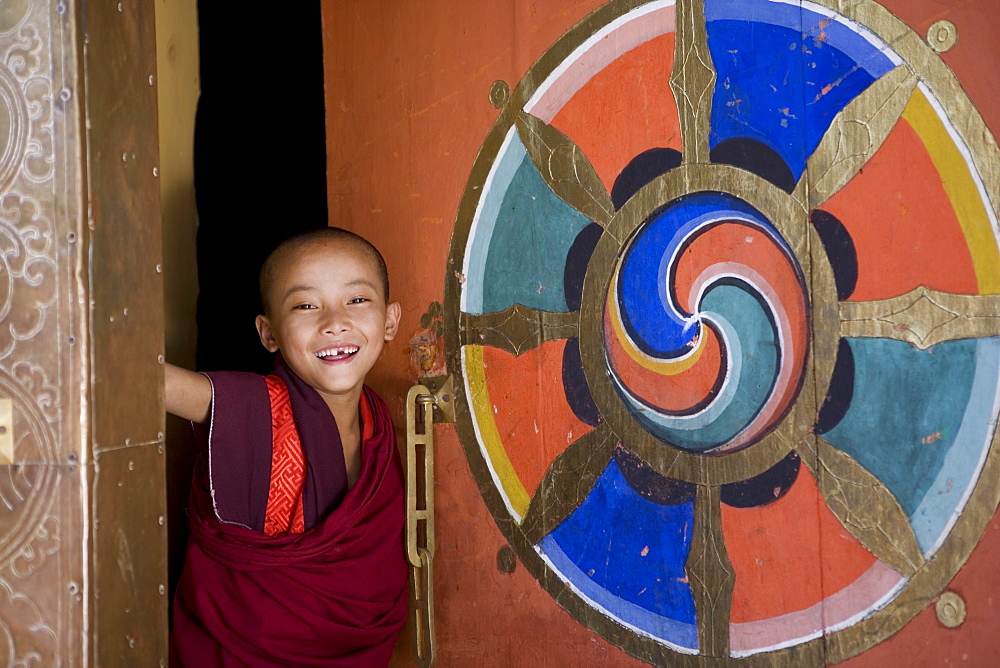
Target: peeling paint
{"x": 427, "y": 344}
{"x": 427, "y": 354}
{"x": 932, "y": 438}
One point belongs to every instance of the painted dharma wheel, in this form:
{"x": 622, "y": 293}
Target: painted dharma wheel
{"x": 717, "y": 398}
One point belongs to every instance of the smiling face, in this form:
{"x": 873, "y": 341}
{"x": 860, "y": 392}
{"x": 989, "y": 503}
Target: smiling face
{"x": 328, "y": 317}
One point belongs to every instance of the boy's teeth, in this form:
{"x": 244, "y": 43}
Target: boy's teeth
{"x": 344, "y": 350}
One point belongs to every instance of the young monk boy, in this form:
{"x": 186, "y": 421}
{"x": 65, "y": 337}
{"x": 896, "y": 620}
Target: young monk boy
{"x": 296, "y": 554}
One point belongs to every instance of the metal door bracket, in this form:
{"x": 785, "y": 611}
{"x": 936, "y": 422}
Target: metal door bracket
{"x": 442, "y": 389}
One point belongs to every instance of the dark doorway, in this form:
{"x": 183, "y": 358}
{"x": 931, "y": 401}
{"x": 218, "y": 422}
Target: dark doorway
{"x": 260, "y": 161}
{"x": 260, "y": 177}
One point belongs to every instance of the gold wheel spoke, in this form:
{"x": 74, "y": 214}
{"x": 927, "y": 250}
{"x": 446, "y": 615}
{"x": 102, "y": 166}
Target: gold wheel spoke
{"x": 568, "y": 481}
{"x": 854, "y": 136}
{"x": 710, "y": 574}
{"x": 693, "y": 80}
{"x": 865, "y": 507}
{"x": 923, "y": 317}
{"x": 565, "y": 168}
{"x": 517, "y": 329}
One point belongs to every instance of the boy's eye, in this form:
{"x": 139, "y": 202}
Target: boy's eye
{"x": 357, "y": 300}
{"x": 303, "y": 307}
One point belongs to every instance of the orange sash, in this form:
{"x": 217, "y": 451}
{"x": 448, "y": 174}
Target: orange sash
{"x": 288, "y": 467}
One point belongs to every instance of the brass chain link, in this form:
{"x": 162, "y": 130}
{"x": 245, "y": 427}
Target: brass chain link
{"x": 420, "y": 517}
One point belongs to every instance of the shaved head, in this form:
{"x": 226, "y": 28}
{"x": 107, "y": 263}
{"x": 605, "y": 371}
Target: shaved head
{"x": 278, "y": 260}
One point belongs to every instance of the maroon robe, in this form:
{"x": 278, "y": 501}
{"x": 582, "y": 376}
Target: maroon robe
{"x": 335, "y": 595}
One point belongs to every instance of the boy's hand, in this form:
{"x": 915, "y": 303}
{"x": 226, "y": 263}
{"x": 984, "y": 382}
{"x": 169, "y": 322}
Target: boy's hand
{"x": 187, "y": 394}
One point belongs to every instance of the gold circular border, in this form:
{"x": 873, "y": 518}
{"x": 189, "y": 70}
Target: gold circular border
{"x": 791, "y": 220}
{"x": 925, "y": 585}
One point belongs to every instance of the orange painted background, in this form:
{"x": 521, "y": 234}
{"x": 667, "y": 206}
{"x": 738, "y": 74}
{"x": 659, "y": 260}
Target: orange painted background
{"x": 407, "y": 110}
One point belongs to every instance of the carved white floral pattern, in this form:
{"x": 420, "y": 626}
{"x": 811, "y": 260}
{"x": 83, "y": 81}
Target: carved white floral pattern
{"x": 39, "y": 224}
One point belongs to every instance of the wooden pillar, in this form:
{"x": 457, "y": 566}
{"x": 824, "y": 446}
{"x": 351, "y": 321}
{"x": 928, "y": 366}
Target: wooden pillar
{"x": 82, "y": 526}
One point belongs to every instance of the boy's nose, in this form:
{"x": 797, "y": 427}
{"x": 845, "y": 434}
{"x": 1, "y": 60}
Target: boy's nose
{"x": 337, "y": 321}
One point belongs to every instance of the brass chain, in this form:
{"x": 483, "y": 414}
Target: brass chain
{"x": 420, "y": 517}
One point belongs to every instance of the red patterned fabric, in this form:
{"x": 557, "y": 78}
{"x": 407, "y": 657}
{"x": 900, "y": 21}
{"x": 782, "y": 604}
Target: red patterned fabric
{"x": 288, "y": 466}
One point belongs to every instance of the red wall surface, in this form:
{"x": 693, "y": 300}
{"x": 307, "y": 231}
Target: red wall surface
{"x": 407, "y": 86}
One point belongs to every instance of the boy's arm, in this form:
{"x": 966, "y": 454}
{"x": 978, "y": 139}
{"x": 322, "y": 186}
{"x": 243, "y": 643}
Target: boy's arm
{"x": 187, "y": 394}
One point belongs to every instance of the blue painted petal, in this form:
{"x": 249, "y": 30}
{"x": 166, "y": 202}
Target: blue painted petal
{"x": 818, "y": 29}
{"x": 784, "y": 72}
{"x": 627, "y": 555}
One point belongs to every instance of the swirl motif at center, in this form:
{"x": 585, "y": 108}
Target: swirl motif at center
{"x": 699, "y": 328}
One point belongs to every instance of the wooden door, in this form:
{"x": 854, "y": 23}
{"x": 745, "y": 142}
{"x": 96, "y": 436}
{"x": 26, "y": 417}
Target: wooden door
{"x": 716, "y": 283}
{"x": 82, "y": 518}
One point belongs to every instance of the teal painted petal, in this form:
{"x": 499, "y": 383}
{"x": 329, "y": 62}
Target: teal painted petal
{"x": 963, "y": 462}
{"x": 510, "y": 157}
{"x": 531, "y": 237}
{"x": 905, "y": 422}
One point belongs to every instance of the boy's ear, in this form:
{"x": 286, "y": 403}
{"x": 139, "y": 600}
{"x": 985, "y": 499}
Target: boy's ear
{"x": 266, "y": 333}
{"x": 392, "y": 315}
